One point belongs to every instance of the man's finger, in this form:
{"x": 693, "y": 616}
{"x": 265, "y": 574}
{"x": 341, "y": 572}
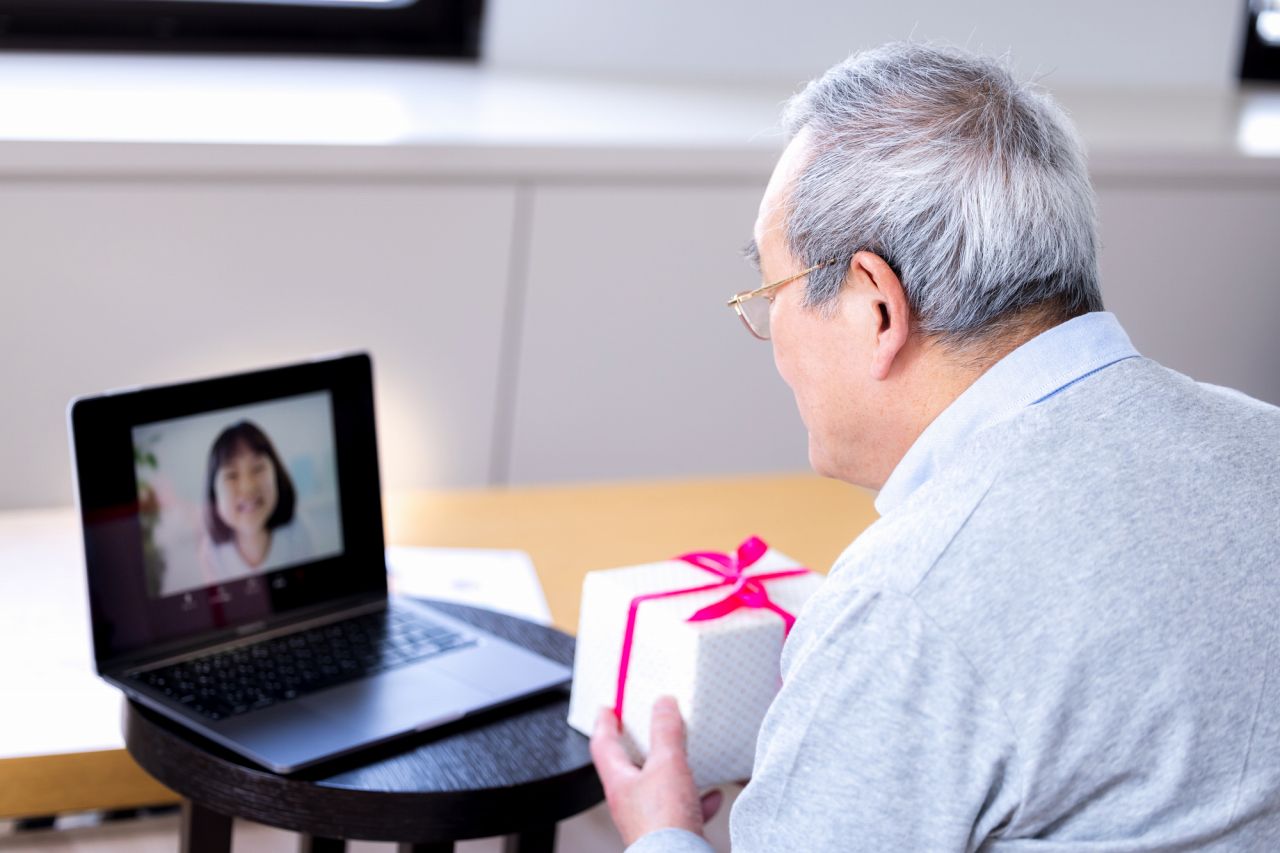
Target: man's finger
{"x": 607, "y": 751}
{"x": 711, "y": 802}
{"x": 666, "y": 732}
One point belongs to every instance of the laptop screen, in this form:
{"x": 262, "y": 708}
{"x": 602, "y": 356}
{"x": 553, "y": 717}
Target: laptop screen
{"x": 228, "y": 503}
{"x": 237, "y": 494}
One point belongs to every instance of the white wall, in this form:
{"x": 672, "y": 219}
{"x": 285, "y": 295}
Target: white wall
{"x": 630, "y": 362}
{"x": 1117, "y": 43}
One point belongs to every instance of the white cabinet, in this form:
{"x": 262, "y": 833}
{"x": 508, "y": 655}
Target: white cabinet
{"x": 525, "y": 327}
{"x": 630, "y": 363}
{"x": 112, "y": 283}
{"x": 1192, "y": 269}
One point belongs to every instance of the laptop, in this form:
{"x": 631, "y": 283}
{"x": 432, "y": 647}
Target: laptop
{"x": 237, "y": 573}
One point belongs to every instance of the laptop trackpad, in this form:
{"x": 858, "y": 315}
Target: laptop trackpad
{"x": 401, "y": 700}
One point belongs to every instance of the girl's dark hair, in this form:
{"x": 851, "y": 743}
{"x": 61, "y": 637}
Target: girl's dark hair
{"x": 250, "y": 435}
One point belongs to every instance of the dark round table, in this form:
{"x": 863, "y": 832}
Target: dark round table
{"x": 513, "y": 772}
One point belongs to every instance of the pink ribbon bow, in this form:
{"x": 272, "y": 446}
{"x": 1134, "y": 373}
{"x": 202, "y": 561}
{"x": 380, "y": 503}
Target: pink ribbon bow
{"x": 747, "y": 591}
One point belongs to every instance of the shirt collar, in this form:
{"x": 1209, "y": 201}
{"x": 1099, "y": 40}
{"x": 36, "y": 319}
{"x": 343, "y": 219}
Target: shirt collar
{"x": 1030, "y": 374}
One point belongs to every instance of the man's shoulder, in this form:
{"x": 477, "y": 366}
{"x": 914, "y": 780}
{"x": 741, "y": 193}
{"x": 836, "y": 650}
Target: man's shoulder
{"x": 896, "y": 552}
{"x": 1124, "y": 442}
{"x": 1137, "y": 443}
{"x": 1113, "y": 498}
{"x": 1134, "y": 403}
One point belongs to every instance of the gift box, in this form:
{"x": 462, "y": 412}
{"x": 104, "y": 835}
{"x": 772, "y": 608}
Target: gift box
{"x": 706, "y": 628}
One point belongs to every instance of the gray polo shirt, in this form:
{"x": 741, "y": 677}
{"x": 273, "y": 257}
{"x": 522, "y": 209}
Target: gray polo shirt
{"x": 1060, "y": 636}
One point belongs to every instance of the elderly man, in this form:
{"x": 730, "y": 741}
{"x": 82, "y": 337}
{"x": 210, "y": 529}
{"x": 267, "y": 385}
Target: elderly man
{"x": 1061, "y": 635}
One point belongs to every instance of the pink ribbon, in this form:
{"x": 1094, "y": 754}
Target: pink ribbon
{"x": 747, "y": 591}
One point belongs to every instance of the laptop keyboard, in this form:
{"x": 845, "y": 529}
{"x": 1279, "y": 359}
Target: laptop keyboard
{"x": 259, "y": 675}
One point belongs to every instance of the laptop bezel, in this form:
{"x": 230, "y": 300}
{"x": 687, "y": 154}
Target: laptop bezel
{"x": 106, "y": 488}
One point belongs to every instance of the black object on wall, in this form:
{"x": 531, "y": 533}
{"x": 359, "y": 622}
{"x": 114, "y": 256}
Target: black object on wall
{"x": 445, "y": 28}
{"x": 1260, "y": 59}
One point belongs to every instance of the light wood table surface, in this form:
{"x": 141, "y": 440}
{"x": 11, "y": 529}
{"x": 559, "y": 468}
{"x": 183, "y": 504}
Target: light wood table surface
{"x": 568, "y": 531}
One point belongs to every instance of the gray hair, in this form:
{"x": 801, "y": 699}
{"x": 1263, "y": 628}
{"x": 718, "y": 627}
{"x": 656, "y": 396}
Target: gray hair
{"x": 972, "y": 187}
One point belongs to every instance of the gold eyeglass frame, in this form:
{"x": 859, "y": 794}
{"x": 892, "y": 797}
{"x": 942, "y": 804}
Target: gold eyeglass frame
{"x": 767, "y": 291}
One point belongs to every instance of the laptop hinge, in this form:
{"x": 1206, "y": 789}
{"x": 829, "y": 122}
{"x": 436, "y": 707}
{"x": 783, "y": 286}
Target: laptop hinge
{"x": 247, "y": 636}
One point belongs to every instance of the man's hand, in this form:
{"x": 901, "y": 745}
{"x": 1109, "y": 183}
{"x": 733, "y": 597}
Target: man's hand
{"x": 659, "y": 795}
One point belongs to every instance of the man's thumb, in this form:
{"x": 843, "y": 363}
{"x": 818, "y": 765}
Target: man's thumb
{"x": 666, "y": 731}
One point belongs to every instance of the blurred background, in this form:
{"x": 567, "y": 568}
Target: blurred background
{"x": 531, "y": 214}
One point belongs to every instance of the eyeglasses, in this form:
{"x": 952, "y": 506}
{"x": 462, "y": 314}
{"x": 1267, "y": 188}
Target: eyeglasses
{"x": 755, "y": 312}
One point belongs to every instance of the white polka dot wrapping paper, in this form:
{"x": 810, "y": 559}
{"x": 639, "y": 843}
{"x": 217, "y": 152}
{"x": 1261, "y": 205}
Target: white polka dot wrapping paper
{"x": 723, "y": 670}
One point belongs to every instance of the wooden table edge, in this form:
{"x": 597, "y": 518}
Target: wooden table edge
{"x": 78, "y": 781}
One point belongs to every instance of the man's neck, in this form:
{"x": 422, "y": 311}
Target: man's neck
{"x": 937, "y": 374}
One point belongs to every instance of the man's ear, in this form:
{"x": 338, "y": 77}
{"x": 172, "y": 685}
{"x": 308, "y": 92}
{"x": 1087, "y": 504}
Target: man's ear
{"x": 889, "y": 301}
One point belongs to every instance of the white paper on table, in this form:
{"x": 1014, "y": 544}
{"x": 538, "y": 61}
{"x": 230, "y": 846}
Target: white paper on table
{"x": 494, "y": 579}
{"x": 53, "y": 700}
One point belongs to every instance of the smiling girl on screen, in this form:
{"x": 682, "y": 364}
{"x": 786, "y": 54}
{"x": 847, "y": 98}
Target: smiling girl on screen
{"x": 249, "y": 507}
